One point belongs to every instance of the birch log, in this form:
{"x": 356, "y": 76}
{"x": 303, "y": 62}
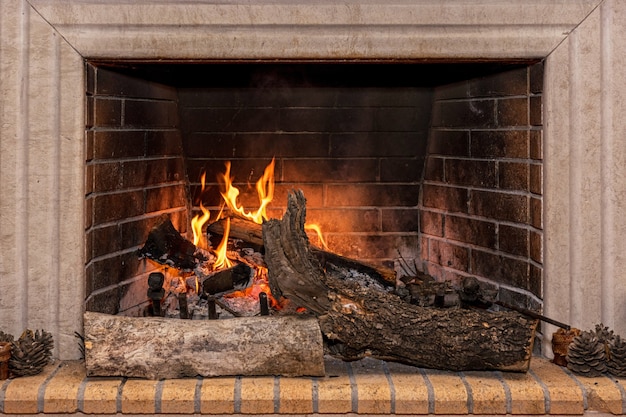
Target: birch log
{"x": 157, "y": 348}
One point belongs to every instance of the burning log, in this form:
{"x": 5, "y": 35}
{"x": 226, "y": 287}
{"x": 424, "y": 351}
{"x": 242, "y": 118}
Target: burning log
{"x": 227, "y": 280}
{"x": 252, "y": 233}
{"x": 364, "y": 320}
{"x": 166, "y": 246}
{"x": 159, "y": 348}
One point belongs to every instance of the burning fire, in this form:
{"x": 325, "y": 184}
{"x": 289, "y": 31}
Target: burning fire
{"x": 264, "y": 188}
{"x": 230, "y": 194}
{"x": 197, "y": 222}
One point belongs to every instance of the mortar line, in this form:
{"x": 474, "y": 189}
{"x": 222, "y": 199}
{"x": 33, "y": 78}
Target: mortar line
{"x": 546, "y": 391}
{"x": 507, "y": 392}
{"x": 580, "y": 385}
{"x": 315, "y": 394}
{"x": 80, "y": 400}
{"x": 354, "y": 391}
{"x": 431, "y": 391}
{"x": 158, "y": 394}
{"x": 197, "y": 395}
{"x": 118, "y": 399}
{"x": 615, "y": 381}
{"x": 237, "y": 395}
{"x": 392, "y": 388}
{"x": 470, "y": 393}
{"x": 42, "y": 388}
{"x": 3, "y": 390}
{"x": 276, "y": 394}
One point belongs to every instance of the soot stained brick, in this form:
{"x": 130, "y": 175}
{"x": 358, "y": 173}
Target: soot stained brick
{"x": 452, "y": 199}
{"x": 477, "y": 232}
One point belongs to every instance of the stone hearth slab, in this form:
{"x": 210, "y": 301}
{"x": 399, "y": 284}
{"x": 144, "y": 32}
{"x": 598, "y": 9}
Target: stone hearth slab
{"x": 365, "y": 387}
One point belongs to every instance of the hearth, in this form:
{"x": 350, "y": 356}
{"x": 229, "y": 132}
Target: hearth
{"x": 45, "y": 45}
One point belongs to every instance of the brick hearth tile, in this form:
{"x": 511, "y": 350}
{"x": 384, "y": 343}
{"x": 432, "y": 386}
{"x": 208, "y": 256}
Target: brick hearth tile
{"x": 621, "y": 383}
{"x": 61, "y": 395}
{"x": 527, "y": 396}
{"x": 488, "y": 395}
{"x": 334, "y": 392}
{"x": 21, "y": 396}
{"x": 100, "y": 395}
{"x": 566, "y": 396}
{"x": 257, "y": 395}
{"x": 450, "y": 392}
{"x": 296, "y": 396}
{"x": 602, "y": 394}
{"x": 138, "y": 396}
{"x": 410, "y": 389}
{"x": 217, "y": 396}
{"x": 178, "y": 396}
{"x": 374, "y": 392}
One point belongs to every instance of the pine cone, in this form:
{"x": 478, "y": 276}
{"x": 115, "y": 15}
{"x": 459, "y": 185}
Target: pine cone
{"x": 616, "y": 364}
{"x": 604, "y": 334}
{"x": 586, "y": 355}
{"x": 31, "y": 353}
{"x": 5, "y": 337}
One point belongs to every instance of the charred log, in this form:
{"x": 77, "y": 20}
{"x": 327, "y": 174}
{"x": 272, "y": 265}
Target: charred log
{"x": 367, "y": 320}
{"x": 231, "y": 279}
{"x": 166, "y": 246}
{"x": 251, "y": 233}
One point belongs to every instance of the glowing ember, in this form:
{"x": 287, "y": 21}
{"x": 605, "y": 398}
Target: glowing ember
{"x": 259, "y": 285}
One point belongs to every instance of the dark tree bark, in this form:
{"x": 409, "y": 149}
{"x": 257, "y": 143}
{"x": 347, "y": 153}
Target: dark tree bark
{"x": 368, "y": 320}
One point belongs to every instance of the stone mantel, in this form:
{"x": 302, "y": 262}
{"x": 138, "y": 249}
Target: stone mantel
{"x": 43, "y": 44}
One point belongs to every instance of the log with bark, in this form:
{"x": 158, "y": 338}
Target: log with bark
{"x": 156, "y": 348}
{"x": 252, "y": 233}
{"x": 364, "y": 320}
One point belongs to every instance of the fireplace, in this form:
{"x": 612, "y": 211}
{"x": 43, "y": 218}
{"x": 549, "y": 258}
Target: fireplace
{"x": 429, "y": 167}
{"x": 45, "y": 46}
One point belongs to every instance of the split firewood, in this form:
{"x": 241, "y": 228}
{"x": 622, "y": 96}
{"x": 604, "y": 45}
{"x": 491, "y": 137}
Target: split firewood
{"x": 365, "y": 320}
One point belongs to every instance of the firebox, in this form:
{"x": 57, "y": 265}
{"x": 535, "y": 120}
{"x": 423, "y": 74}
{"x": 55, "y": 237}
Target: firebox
{"x": 416, "y": 166}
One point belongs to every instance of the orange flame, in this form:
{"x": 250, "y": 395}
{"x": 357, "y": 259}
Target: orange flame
{"x": 198, "y": 222}
{"x": 222, "y": 260}
{"x": 314, "y": 227}
{"x": 265, "y": 191}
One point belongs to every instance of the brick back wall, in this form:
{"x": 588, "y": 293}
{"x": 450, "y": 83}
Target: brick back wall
{"x": 482, "y": 192}
{"x": 356, "y": 152}
{"x": 134, "y": 173}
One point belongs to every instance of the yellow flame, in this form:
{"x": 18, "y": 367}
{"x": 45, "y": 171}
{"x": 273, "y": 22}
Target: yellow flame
{"x": 222, "y": 260}
{"x": 314, "y": 227}
{"x": 196, "y": 225}
{"x": 265, "y": 191}
{"x": 198, "y": 222}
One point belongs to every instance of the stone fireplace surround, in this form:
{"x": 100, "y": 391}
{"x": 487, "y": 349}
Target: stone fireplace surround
{"x": 44, "y": 44}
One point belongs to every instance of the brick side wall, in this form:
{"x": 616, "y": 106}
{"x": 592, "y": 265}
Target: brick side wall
{"x": 134, "y": 173}
{"x": 482, "y": 192}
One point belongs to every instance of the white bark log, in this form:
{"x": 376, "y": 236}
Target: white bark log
{"x": 157, "y": 348}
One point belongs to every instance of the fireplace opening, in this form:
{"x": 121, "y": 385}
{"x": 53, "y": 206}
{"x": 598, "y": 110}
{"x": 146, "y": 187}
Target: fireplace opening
{"x": 431, "y": 166}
